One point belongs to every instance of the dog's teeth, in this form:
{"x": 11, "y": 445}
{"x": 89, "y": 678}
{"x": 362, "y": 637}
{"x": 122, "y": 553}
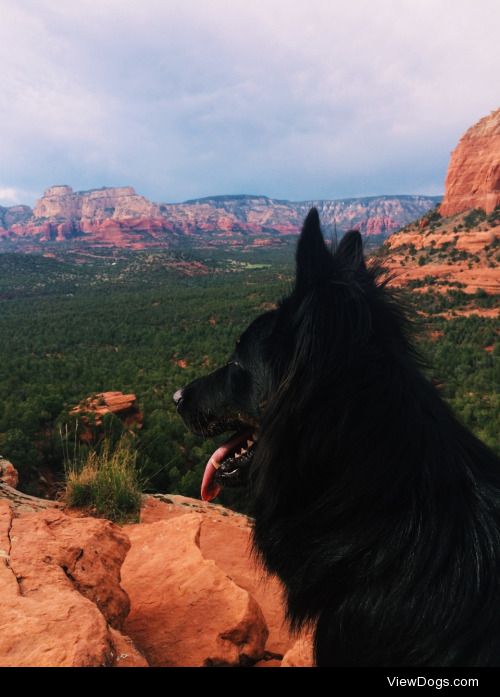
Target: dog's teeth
{"x": 249, "y": 443}
{"x": 243, "y": 451}
{"x": 254, "y": 437}
{"x": 236, "y": 455}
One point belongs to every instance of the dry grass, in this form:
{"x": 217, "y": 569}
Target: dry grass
{"x": 107, "y": 481}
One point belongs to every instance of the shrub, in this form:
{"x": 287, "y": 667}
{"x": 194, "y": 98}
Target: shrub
{"x": 494, "y": 216}
{"x": 106, "y": 480}
{"x": 476, "y": 216}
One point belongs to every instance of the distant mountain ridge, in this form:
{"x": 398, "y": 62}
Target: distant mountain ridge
{"x": 372, "y": 215}
{"x": 119, "y": 217}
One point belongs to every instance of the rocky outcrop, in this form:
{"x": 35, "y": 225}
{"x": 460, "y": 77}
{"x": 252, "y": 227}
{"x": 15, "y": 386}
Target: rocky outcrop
{"x": 178, "y": 589}
{"x": 473, "y": 178}
{"x": 13, "y": 215}
{"x": 110, "y": 216}
{"x": 446, "y": 253}
{"x": 225, "y": 539}
{"x": 456, "y": 245}
{"x": 24, "y": 502}
{"x": 185, "y": 610}
{"x": 8, "y": 473}
{"x": 62, "y": 603}
{"x": 118, "y": 217}
{"x": 227, "y": 216}
{"x": 215, "y": 541}
{"x": 93, "y": 409}
{"x": 95, "y": 205}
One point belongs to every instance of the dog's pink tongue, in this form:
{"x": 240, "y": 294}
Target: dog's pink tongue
{"x": 209, "y": 487}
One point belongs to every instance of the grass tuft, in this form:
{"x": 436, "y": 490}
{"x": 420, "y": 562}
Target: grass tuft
{"x": 107, "y": 481}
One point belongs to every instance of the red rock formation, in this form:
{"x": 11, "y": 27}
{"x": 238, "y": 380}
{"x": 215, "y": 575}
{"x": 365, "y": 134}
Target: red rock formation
{"x": 473, "y": 178}
{"x": 455, "y": 244}
{"x": 224, "y": 539}
{"x": 94, "y": 408}
{"x": 196, "y": 596}
{"x": 62, "y": 604}
{"x": 118, "y": 217}
{"x": 8, "y": 473}
{"x": 252, "y": 216}
{"x": 451, "y": 251}
{"x": 12, "y": 215}
{"x": 61, "y": 202}
{"x": 185, "y": 610}
{"x": 109, "y": 217}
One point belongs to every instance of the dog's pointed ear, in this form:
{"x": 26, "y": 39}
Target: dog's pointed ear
{"x": 313, "y": 258}
{"x": 350, "y": 251}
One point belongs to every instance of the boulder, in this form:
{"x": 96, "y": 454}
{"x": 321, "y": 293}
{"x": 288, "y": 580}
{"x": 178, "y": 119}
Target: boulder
{"x": 62, "y": 603}
{"x": 225, "y": 538}
{"x": 185, "y": 611}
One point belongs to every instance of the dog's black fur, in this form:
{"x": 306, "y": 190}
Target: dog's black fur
{"x": 377, "y": 509}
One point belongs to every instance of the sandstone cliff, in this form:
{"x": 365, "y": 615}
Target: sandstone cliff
{"x": 456, "y": 245}
{"x": 473, "y": 178}
{"x": 118, "y": 217}
{"x": 14, "y": 215}
{"x": 95, "y": 205}
{"x": 107, "y": 217}
{"x": 257, "y": 215}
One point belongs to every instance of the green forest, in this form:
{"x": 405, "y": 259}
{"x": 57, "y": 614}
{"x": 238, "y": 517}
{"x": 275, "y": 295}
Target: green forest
{"x": 144, "y": 322}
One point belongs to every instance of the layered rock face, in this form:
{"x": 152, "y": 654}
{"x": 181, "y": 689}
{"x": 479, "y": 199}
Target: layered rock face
{"x": 95, "y": 205}
{"x": 449, "y": 252}
{"x": 14, "y": 215}
{"x": 257, "y": 215}
{"x": 457, "y": 244}
{"x": 109, "y": 216}
{"x": 118, "y": 217}
{"x": 473, "y": 178}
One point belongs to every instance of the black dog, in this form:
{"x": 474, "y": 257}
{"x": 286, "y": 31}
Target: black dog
{"x": 377, "y": 509}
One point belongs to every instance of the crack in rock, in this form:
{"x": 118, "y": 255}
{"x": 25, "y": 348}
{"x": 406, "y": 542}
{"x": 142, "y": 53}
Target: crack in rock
{"x": 7, "y": 555}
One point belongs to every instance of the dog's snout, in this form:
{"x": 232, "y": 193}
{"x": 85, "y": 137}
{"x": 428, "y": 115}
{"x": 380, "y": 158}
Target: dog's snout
{"x": 177, "y": 397}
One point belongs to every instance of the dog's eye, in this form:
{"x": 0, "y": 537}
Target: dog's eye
{"x": 236, "y": 363}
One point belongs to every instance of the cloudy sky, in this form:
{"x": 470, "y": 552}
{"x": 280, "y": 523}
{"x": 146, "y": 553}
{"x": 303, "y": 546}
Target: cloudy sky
{"x": 290, "y": 98}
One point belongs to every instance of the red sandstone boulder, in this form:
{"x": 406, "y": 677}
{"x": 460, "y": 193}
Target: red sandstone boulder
{"x": 60, "y": 587}
{"x": 225, "y": 538}
{"x": 185, "y": 610}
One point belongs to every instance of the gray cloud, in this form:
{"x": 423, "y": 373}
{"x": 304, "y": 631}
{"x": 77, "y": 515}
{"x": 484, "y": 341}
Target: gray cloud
{"x": 306, "y": 99}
